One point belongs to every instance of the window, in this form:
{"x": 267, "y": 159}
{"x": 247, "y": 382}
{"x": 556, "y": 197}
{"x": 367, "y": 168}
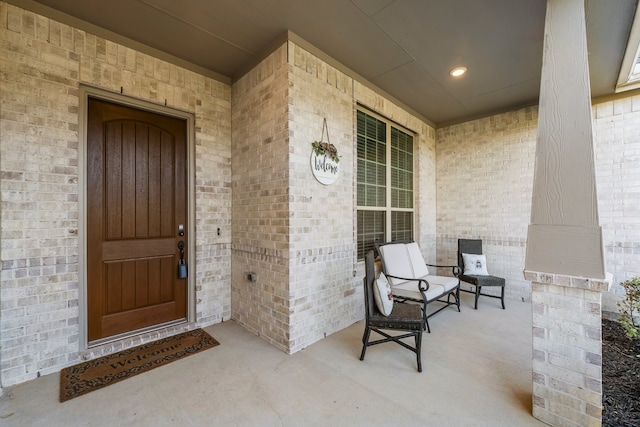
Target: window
{"x": 629, "y": 77}
{"x": 385, "y": 182}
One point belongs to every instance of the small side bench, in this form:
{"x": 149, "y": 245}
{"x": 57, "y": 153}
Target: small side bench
{"x": 474, "y": 246}
{"x": 408, "y": 274}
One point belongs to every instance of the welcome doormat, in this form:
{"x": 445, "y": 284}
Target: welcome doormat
{"x": 95, "y": 374}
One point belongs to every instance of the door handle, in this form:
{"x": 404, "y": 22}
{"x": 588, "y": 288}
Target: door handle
{"x": 182, "y": 266}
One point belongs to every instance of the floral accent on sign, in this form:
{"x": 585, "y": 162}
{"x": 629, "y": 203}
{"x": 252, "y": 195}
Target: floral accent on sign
{"x": 326, "y": 149}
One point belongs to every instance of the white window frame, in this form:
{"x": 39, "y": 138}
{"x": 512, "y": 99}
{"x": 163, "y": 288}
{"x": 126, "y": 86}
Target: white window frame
{"x": 388, "y": 209}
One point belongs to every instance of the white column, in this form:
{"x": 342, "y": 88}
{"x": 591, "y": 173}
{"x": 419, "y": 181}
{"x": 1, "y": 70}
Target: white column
{"x": 565, "y": 257}
{"x": 564, "y": 236}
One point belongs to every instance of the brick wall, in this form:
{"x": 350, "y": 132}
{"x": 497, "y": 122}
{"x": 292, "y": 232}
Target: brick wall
{"x": 325, "y": 295}
{"x": 617, "y": 153}
{"x": 287, "y": 227}
{"x": 297, "y": 234}
{"x": 43, "y": 64}
{"x": 484, "y": 181}
{"x": 485, "y": 178}
{"x": 260, "y": 158}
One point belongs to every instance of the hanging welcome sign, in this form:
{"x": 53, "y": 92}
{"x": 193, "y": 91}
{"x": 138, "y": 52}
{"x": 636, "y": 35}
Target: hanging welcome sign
{"x": 325, "y": 159}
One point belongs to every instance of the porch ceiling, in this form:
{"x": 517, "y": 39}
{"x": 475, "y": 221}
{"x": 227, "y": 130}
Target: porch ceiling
{"x": 404, "y": 47}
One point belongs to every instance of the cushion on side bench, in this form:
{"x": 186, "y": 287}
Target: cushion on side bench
{"x": 475, "y": 265}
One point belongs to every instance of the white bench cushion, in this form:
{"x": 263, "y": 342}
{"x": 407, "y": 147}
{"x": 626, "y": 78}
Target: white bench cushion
{"x": 405, "y": 260}
{"x": 410, "y": 290}
{"x": 418, "y": 264}
{"x": 396, "y": 262}
{"x": 447, "y": 282}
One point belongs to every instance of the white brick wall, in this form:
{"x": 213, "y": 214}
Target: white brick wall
{"x": 325, "y": 295}
{"x": 617, "y": 153}
{"x": 485, "y": 178}
{"x": 260, "y": 158}
{"x": 295, "y": 233}
{"x": 286, "y": 227}
{"x": 43, "y": 64}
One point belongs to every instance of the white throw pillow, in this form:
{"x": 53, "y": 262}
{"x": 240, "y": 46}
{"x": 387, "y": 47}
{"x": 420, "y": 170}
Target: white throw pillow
{"x": 475, "y": 265}
{"x": 382, "y": 295}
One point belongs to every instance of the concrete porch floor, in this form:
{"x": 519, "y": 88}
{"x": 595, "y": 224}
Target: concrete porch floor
{"x": 476, "y": 372}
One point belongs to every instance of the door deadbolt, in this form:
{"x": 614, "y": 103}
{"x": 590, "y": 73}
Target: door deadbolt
{"x": 180, "y": 230}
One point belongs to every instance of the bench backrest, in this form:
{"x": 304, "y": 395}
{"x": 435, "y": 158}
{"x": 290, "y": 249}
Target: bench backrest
{"x": 402, "y": 260}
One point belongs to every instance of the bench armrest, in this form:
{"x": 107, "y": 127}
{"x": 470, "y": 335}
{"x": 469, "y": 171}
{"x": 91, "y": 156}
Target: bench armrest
{"x": 423, "y": 288}
{"x": 455, "y": 270}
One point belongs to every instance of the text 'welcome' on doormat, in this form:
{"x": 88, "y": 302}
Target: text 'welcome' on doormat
{"x": 94, "y": 374}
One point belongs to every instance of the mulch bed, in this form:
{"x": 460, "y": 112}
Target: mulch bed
{"x": 620, "y": 377}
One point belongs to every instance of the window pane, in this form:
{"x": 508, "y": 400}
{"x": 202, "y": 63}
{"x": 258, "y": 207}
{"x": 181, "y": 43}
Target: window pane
{"x": 401, "y": 225}
{"x": 371, "y": 161}
{"x": 370, "y": 230}
{"x": 361, "y": 121}
{"x": 401, "y": 169}
{"x": 362, "y": 146}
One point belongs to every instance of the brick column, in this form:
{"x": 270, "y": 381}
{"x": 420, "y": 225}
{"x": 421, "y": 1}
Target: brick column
{"x": 567, "y": 348}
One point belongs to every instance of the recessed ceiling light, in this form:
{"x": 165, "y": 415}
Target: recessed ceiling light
{"x": 458, "y": 71}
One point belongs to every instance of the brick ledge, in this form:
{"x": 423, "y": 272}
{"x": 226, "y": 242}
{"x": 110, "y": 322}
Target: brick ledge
{"x": 592, "y": 284}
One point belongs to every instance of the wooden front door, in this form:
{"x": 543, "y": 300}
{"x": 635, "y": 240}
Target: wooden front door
{"x": 136, "y": 202}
